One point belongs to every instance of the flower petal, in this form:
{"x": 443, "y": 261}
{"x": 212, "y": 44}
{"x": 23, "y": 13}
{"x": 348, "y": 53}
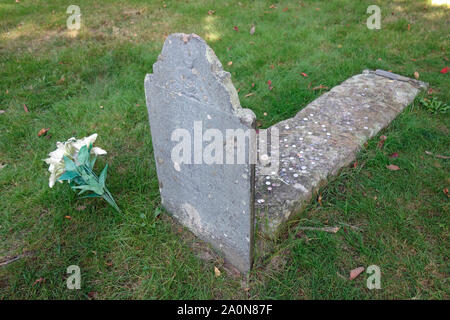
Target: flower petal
{"x": 98, "y": 151}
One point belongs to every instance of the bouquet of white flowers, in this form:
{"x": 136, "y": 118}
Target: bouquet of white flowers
{"x": 72, "y": 162}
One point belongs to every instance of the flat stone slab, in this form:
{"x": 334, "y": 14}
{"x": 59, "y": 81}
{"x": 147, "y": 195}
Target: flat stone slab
{"x": 191, "y": 104}
{"x": 324, "y": 137}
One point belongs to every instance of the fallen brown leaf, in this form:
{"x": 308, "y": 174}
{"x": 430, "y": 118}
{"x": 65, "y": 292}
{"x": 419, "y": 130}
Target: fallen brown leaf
{"x": 39, "y": 281}
{"x": 211, "y": 12}
{"x": 356, "y": 272}
{"x": 416, "y": 75}
{"x": 320, "y": 87}
{"x": 393, "y": 167}
{"x": 437, "y": 155}
{"x": 249, "y": 94}
{"x": 43, "y": 132}
{"x": 381, "y": 142}
{"x": 216, "y": 272}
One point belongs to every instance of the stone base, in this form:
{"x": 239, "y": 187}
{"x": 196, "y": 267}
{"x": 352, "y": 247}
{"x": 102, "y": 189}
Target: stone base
{"x": 324, "y": 137}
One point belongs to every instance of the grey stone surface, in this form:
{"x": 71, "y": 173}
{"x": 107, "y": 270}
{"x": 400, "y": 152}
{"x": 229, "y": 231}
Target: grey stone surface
{"x": 215, "y": 201}
{"x": 324, "y": 137}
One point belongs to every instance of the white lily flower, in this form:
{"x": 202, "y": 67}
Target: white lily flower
{"x": 86, "y": 141}
{"x": 70, "y": 149}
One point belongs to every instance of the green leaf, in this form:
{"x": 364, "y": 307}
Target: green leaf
{"x": 102, "y": 177}
{"x": 92, "y": 162}
{"x": 95, "y": 188}
{"x": 68, "y": 175}
{"x": 83, "y": 155}
{"x": 92, "y": 195}
{"x": 69, "y": 164}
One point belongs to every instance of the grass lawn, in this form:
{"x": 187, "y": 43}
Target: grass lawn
{"x": 93, "y": 81}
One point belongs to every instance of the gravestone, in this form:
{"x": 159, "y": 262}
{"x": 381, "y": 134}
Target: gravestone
{"x": 206, "y": 176}
{"x": 208, "y": 179}
{"x": 324, "y": 137}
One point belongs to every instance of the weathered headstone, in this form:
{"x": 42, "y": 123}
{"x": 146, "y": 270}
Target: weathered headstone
{"x": 192, "y": 106}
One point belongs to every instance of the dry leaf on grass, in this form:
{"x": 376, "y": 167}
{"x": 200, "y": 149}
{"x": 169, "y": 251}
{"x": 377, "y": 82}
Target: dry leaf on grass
{"x": 437, "y": 155}
{"x": 43, "y": 132}
{"x": 320, "y": 87}
{"x": 381, "y": 142}
{"x": 356, "y": 272}
{"x": 216, "y": 272}
{"x": 39, "y": 281}
{"x": 393, "y": 167}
